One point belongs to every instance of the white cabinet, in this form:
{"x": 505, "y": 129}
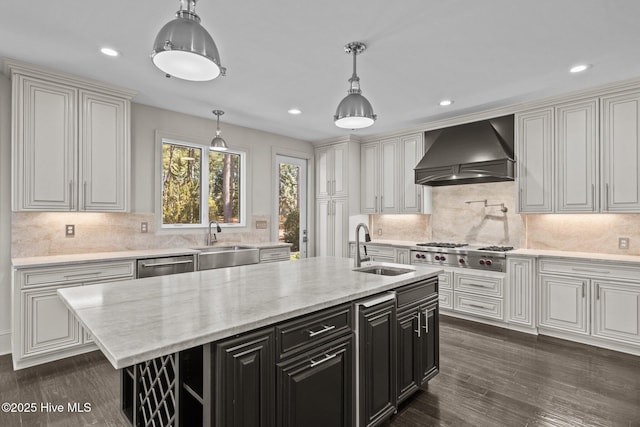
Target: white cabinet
{"x": 332, "y": 222}
{"x": 577, "y": 137}
{"x": 564, "y": 303}
{"x": 521, "y": 283}
{"x": 621, "y": 153}
{"x": 617, "y": 311}
{"x": 534, "y": 151}
{"x": 387, "y": 176}
{"x": 332, "y": 170}
{"x": 479, "y": 293}
{"x": 70, "y": 143}
{"x": 43, "y": 329}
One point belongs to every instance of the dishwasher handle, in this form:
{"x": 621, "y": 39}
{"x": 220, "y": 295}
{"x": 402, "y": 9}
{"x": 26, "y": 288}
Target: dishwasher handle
{"x": 390, "y": 296}
{"x": 162, "y": 264}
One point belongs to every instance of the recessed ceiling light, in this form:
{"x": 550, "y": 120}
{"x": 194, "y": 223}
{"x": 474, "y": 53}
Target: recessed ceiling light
{"x": 579, "y": 68}
{"x": 294, "y": 111}
{"x": 109, "y": 51}
{"x": 446, "y": 102}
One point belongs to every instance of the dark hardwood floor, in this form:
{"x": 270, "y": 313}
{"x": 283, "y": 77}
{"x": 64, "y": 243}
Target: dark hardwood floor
{"x": 488, "y": 377}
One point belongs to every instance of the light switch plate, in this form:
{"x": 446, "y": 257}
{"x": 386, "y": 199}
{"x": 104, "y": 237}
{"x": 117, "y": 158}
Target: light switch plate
{"x": 623, "y": 243}
{"x": 70, "y": 230}
{"x": 261, "y": 225}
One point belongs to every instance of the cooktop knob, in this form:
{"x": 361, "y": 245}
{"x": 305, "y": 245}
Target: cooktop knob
{"x": 437, "y": 257}
{"x": 488, "y": 262}
{"x": 481, "y": 262}
{"x": 461, "y": 260}
{"x": 442, "y": 258}
{"x": 417, "y": 255}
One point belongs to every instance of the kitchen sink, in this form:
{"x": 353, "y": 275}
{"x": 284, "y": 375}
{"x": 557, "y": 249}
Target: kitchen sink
{"x": 384, "y": 270}
{"x": 211, "y": 257}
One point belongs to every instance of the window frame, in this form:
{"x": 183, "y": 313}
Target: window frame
{"x": 204, "y": 183}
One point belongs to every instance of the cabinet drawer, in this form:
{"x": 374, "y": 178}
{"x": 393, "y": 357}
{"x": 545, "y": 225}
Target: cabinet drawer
{"x": 482, "y": 285}
{"x": 445, "y": 280}
{"x": 445, "y": 299}
{"x": 417, "y": 291}
{"x": 275, "y": 254}
{"x": 76, "y": 273}
{"x": 478, "y": 305}
{"x": 300, "y": 333}
{"x": 379, "y": 251}
{"x": 588, "y": 269}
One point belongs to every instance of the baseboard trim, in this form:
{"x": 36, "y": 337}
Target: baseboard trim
{"x": 5, "y": 342}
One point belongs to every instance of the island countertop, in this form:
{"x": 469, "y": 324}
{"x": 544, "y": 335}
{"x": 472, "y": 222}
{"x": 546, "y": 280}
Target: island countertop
{"x": 137, "y": 320}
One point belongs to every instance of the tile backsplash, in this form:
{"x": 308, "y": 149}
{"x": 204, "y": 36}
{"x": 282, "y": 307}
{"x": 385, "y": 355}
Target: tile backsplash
{"x": 42, "y": 233}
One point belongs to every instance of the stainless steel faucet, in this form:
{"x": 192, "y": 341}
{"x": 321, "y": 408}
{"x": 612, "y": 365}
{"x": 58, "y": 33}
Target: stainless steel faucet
{"x": 218, "y": 229}
{"x": 367, "y": 238}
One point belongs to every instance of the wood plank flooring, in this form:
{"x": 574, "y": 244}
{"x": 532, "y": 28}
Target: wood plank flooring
{"x": 488, "y": 377}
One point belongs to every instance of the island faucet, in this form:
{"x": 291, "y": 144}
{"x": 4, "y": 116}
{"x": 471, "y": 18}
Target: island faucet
{"x": 367, "y": 238}
{"x": 218, "y": 229}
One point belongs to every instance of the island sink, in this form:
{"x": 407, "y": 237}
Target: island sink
{"x": 384, "y": 270}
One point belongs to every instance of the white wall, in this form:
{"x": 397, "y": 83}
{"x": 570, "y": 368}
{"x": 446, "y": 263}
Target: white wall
{"x": 5, "y": 215}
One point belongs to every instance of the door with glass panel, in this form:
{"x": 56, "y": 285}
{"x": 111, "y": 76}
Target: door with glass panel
{"x": 291, "y": 204}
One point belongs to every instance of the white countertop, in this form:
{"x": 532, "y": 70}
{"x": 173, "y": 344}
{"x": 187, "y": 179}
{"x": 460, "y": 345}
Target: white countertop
{"x": 133, "y": 321}
{"x": 39, "y": 261}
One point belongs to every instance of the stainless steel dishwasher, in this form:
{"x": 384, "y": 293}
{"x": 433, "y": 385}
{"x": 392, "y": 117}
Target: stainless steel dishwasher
{"x": 163, "y": 266}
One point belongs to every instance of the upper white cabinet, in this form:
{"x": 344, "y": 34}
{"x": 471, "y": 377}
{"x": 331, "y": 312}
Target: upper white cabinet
{"x": 71, "y": 143}
{"x": 621, "y": 153}
{"x": 332, "y": 170}
{"x": 568, "y": 164}
{"x": 387, "y": 177}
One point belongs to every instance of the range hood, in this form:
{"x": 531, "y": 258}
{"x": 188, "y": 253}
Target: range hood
{"x": 470, "y": 153}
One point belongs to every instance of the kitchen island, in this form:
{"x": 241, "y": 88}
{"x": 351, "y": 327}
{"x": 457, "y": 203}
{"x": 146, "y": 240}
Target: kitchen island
{"x": 204, "y": 345}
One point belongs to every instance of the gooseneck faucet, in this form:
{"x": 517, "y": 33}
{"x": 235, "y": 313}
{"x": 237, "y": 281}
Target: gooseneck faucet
{"x": 218, "y": 229}
{"x": 367, "y": 238}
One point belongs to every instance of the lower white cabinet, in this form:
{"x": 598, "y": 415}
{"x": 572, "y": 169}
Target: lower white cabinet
{"x": 521, "y": 291}
{"x": 475, "y": 293}
{"x": 43, "y": 329}
{"x": 564, "y": 303}
{"x": 275, "y": 254}
{"x": 332, "y": 224}
{"x": 616, "y": 313}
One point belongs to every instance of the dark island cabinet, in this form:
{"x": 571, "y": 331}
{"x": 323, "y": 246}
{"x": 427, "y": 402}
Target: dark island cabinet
{"x": 418, "y": 337}
{"x": 315, "y": 388}
{"x": 245, "y": 380}
{"x": 377, "y": 360}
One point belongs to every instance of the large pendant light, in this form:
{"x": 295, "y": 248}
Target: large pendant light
{"x": 217, "y": 143}
{"x": 184, "y": 49}
{"x": 354, "y": 111}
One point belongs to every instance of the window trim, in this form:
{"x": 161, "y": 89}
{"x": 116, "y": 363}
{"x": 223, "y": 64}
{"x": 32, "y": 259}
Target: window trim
{"x": 162, "y": 138}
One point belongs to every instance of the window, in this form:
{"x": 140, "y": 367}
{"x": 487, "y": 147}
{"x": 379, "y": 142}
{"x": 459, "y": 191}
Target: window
{"x": 200, "y": 185}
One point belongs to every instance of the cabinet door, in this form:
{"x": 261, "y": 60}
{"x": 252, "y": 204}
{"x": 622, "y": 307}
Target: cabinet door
{"x": 324, "y": 229}
{"x": 577, "y": 145}
{"x": 377, "y": 332}
{"x": 402, "y": 256}
{"x": 369, "y": 157}
{"x": 388, "y": 176}
{"x": 412, "y": 149}
{"x": 429, "y": 343}
{"x": 520, "y": 273}
{"x": 47, "y": 324}
{"x": 617, "y": 311}
{"x": 245, "y": 381}
{"x": 323, "y": 175}
{"x": 340, "y": 170}
{"x": 408, "y": 362}
{"x": 316, "y": 389}
{"x": 44, "y": 145}
{"x": 621, "y": 153}
{"x": 340, "y": 224}
{"x": 534, "y": 148}
{"x": 104, "y": 153}
{"x": 564, "y": 303}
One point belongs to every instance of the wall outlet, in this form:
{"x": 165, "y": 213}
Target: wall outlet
{"x": 623, "y": 243}
{"x": 379, "y": 231}
{"x": 261, "y": 225}
{"x": 70, "y": 230}
{"x": 144, "y": 227}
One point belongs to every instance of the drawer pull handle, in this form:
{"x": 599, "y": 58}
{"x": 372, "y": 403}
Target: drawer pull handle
{"x": 479, "y": 306}
{"x": 589, "y": 270}
{"x": 70, "y": 276}
{"x": 325, "y": 328}
{"x": 162, "y": 264}
{"x": 326, "y": 358}
{"x": 479, "y": 286}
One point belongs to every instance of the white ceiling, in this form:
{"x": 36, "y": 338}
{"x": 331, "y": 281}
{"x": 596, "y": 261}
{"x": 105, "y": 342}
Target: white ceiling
{"x": 285, "y": 53}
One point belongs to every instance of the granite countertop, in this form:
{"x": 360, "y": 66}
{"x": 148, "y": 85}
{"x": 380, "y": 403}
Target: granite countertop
{"x": 39, "y": 261}
{"x": 133, "y": 321}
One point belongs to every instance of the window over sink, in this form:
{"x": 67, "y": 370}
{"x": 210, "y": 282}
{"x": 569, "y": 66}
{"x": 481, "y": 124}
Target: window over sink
{"x": 199, "y": 185}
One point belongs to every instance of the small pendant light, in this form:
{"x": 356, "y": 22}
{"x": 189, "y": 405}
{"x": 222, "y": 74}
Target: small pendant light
{"x": 354, "y": 111}
{"x": 184, "y": 49}
{"x": 217, "y": 143}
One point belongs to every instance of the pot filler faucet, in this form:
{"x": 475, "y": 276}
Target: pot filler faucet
{"x": 218, "y": 229}
{"x": 367, "y": 238}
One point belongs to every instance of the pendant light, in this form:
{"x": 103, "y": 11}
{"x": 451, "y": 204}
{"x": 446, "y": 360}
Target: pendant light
{"x": 354, "y": 111}
{"x": 217, "y": 143}
{"x": 184, "y": 49}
